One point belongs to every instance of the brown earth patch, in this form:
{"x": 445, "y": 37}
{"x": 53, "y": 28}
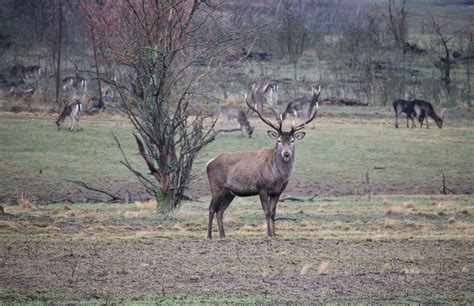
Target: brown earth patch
{"x": 254, "y": 270}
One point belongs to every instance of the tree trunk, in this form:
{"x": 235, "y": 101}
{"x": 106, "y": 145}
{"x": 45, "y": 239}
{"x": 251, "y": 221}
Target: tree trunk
{"x": 60, "y": 35}
{"x": 94, "y": 46}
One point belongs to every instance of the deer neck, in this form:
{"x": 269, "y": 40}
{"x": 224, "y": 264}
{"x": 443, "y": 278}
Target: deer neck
{"x": 280, "y": 167}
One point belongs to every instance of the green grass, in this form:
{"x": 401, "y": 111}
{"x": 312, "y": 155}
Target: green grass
{"x": 36, "y": 159}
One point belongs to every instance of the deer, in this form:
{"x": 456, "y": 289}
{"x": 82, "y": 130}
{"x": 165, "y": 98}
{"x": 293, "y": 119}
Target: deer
{"x": 266, "y": 93}
{"x": 235, "y": 113}
{"x": 423, "y": 109}
{"x": 33, "y": 72}
{"x": 73, "y": 112}
{"x": 74, "y": 82}
{"x": 265, "y": 172}
{"x": 302, "y": 107}
{"x": 403, "y": 106}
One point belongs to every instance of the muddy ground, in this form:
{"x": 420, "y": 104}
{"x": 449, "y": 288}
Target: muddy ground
{"x": 248, "y": 270}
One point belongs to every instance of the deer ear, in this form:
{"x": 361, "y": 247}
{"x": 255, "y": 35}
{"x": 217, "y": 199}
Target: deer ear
{"x": 272, "y": 134}
{"x": 299, "y": 135}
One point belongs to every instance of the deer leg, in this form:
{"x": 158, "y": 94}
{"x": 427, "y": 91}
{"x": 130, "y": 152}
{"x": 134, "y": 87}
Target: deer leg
{"x": 224, "y": 203}
{"x": 273, "y": 206}
{"x": 426, "y": 120}
{"x": 212, "y": 211}
{"x": 396, "y": 120}
{"x": 71, "y": 127}
{"x": 265, "y": 201}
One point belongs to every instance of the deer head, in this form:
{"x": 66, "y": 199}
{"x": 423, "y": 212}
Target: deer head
{"x": 284, "y": 146}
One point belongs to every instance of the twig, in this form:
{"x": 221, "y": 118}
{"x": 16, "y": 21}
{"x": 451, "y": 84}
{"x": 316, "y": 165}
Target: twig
{"x": 445, "y": 189}
{"x": 297, "y": 199}
{"x": 114, "y": 198}
{"x": 369, "y": 184}
{"x": 286, "y": 218}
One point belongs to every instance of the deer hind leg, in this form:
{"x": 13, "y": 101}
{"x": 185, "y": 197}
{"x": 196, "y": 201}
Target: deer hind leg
{"x": 78, "y": 120}
{"x": 217, "y": 207}
{"x": 71, "y": 127}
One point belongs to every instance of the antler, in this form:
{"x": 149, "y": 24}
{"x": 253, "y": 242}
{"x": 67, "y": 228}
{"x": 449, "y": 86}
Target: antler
{"x": 310, "y": 118}
{"x": 260, "y": 115}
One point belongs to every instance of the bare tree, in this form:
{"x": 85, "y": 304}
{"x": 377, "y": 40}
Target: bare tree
{"x": 169, "y": 46}
{"x": 398, "y": 22}
{"x": 60, "y": 35}
{"x": 445, "y": 62}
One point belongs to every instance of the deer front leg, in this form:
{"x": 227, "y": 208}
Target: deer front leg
{"x": 273, "y": 206}
{"x": 265, "y": 201}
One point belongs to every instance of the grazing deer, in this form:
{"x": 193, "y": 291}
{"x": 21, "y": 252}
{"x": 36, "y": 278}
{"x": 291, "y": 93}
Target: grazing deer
{"x": 73, "y": 111}
{"x": 403, "y": 106}
{"x": 33, "y": 72}
{"x": 302, "y": 107}
{"x": 74, "y": 82}
{"x": 235, "y": 113}
{"x": 265, "y": 172}
{"x": 422, "y": 110}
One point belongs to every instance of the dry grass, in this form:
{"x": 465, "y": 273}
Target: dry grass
{"x": 409, "y": 205}
{"x": 323, "y": 268}
{"x": 24, "y": 203}
{"x": 386, "y": 268}
{"x": 305, "y": 269}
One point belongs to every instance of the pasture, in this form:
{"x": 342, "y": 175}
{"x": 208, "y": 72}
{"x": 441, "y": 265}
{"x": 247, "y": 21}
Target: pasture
{"x": 409, "y": 243}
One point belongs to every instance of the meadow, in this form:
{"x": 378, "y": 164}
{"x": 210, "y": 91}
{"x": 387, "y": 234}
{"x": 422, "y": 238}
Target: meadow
{"x": 408, "y": 243}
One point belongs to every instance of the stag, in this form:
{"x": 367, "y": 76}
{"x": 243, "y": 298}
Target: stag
{"x": 423, "y": 109}
{"x": 403, "y": 106}
{"x": 265, "y": 172}
{"x": 302, "y": 107}
{"x": 231, "y": 112}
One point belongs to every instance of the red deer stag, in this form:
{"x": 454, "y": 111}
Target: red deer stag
{"x": 265, "y": 172}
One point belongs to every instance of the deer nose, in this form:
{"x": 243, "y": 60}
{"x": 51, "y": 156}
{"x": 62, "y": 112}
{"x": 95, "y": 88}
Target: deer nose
{"x": 286, "y": 154}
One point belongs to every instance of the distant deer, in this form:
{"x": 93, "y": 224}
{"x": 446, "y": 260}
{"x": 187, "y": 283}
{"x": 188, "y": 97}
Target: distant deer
{"x": 25, "y": 73}
{"x": 74, "y": 82}
{"x": 302, "y": 107}
{"x": 422, "y": 110}
{"x": 265, "y": 172}
{"x": 33, "y": 72}
{"x": 73, "y": 111}
{"x": 266, "y": 93}
{"x": 235, "y": 113}
{"x": 403, "y": 106}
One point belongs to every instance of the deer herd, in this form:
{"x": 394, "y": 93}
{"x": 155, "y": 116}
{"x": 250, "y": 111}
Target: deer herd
{"x": 265, "y": 172}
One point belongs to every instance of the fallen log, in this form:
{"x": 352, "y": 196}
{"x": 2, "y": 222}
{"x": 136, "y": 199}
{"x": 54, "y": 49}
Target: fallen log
{"x": 342, "y": 101}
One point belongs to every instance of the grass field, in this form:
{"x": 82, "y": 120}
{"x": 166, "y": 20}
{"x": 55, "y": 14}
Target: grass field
{"x": 408, "y": 244}
{"x": 331, "y": 160}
